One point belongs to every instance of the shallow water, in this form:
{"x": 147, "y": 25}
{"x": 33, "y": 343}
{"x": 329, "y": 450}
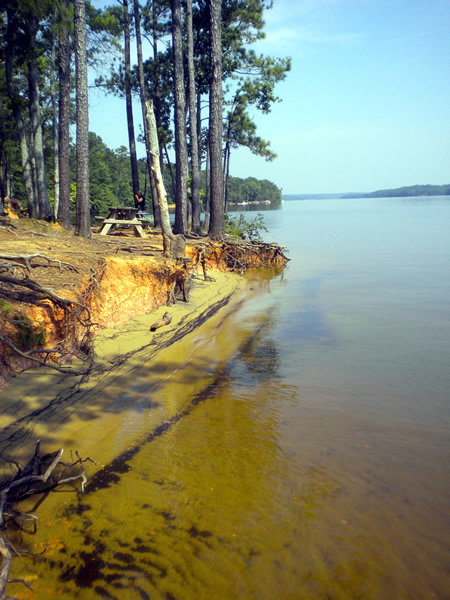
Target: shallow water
{"x": 295, "y": 448}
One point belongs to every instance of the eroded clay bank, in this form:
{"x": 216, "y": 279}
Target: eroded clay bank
{"x": 45, "y": 323}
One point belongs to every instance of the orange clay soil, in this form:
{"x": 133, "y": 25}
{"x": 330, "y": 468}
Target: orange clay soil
{"x": 85, "y": 285}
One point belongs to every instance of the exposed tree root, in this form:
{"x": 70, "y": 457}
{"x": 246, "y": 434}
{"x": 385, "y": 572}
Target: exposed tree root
{"x": 181, "y": 286}
{"x": 41, "y": 291}
{"x": 50, "y": 352}
{"x": 40, "y": 475}
{"x": 8, "y": 228}
{"x": 26, "y": 260}
{"x": 240, "y": 255}
{"x": 33, "y": 233}
{"x": 200, "y": 259}
{"x": 76, "y": 313}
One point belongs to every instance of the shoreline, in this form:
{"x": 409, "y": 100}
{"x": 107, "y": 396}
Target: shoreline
{"x": 44, "y": 404}
{"x": 79, "y": 287}
{"x": 141, "y": 390}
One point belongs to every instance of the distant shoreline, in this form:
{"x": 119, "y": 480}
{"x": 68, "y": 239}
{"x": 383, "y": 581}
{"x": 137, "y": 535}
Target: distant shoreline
{"x": 403, "y": 192}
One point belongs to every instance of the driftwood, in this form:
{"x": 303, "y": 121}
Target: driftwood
{"x": 42, "y": 474}
{"x": 166, "y": 320}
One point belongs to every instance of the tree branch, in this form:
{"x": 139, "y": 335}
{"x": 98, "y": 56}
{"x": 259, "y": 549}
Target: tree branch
{"x": 9, "y": 344}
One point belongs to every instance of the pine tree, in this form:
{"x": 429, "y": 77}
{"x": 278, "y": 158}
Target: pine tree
{"x": 63, "y": 213}
{"x": 83, "y": 225}
{"x": 193, "y": 137}
{"x": 180, "y": 122}
{"x": 217, "y": 219}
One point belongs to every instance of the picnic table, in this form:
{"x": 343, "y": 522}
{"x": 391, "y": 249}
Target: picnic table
{"x": 122, "y": 216}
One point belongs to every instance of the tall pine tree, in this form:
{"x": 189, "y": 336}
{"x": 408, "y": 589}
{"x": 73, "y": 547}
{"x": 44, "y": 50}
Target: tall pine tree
{"x": 217, "y": 218}
{"x": 83, "y": 222}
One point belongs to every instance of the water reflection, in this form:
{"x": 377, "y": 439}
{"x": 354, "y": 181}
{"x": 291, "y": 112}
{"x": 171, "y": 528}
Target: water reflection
{"x": 195, "y": 528}
{"x": 259, "y": 354}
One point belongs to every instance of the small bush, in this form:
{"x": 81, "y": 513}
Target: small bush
{"x": 27, "y": 335}
{"x": 240, "y": 227}
{"x": 5, "y": 307}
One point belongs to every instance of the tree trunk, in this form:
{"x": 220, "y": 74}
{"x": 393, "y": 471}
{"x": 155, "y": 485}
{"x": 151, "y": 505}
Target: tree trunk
{"x": 180, "y": 122}
{"x": 24, "y": 153}
{"x": 129, "y": 103}
{"x": 83, "y": 222}
{"x": 207, "y": 192}
{"x": 226, "y": 162}
{"x": 172, "y": 177}
{"x": 54, "y": 119}
{"x": 36, "y": 129}
{"x": 193, "y": 138}
{"x": 217, "y": 219}
{"x": 168, "y": 236}
{"x": 157, "y": 86}
{"x": 227, "y": 175}
{"x": 3, "y": 180}
{"x": 32, "y": 149}
{"x": 64, "y": 124}
{"x": 199, "y": 129}
{"x": 137, "y": 22}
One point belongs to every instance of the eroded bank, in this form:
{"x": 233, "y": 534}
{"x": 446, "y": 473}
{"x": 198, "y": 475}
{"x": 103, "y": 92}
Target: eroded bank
{"x": 54, "y": 299}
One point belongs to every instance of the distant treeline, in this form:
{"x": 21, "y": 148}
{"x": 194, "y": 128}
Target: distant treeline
{"x": 252, "y": 190}
{"x": 110, "y": 181}
{"x": 412, "y": 190}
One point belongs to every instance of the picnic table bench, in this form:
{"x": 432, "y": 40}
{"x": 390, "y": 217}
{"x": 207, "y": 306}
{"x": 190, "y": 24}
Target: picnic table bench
{"x": 122, "y": 216}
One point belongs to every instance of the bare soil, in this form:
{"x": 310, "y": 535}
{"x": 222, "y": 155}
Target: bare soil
{"x": 79, "y": 257}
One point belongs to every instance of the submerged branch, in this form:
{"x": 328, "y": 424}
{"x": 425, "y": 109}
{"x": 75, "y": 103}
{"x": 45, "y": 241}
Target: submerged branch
{"x": 25, "y": 483}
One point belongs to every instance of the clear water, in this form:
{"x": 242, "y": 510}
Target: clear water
{"x": 310, "y": 456}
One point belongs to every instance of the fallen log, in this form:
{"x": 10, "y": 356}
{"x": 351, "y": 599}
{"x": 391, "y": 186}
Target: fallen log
{"x": 167, "y": 318}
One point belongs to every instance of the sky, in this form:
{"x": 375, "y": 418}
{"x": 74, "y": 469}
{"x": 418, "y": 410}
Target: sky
{"x": 366, "y": 105}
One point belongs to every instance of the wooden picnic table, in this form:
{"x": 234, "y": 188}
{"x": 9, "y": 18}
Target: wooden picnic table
{"x": 122, "y": 215}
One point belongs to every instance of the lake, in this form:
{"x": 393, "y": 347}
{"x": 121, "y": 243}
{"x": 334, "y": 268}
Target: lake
{"x": 312, "y": 457}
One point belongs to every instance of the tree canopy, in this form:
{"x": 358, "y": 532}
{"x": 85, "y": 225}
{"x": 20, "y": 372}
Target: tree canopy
{"x": 38, "y": 49}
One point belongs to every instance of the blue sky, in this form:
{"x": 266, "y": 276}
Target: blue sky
{"x": 366, "y": 105}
